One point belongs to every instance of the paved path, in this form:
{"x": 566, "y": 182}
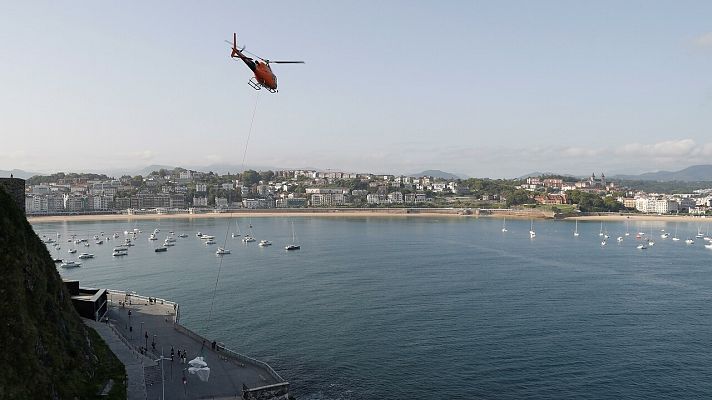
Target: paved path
{"x": 149, "y": 323}
{"x": 133, "y": 361}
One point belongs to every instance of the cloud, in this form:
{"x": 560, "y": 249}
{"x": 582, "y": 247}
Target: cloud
{"x": 144, "y": 155}
{"x": 704, "y": 40}
{"x": 576, "y": 152}
{"x": 665, "y": 149}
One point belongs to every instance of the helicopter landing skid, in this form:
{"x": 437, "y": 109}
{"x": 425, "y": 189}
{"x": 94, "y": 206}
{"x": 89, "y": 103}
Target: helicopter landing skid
{"x": 255, "y": 85}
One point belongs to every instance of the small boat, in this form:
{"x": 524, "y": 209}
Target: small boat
{"x": 160, "y": 249}
{"x": 207, "y": 237}
{"x": 709, "y": 246}
{"x": 294, "y": 245}
{"x": 58, "y": 260}
{"x": 152, "y": 237}
{"x": 689, "y": 241}
{"x": 619, "y": 239}
{"x": 576, "y": 232}
{"x": 116, "y": 235}
{"x": 171, "y": 233}
{"x": 220, "y": 251}
{"x": 72, "y": 251}
{"x": 120, "y": 251}
{"x": 603, "y": 243}
{"x": 70, "y": 264}
{"x": 248, "y": 239}
{"x": 239, "y": 232}
{"x": 504, "y": 224}
{"x": 665, "y": 235}
{"x": 264, "y": 243}
{"x": 99, "y": 242}
{"x": 199, "y": 234}
{"x": 209, "y": 241}
{"x": 600, "y": 233}
{"x": 675, "y": 239}
{"x": 170, "y": 239}
{"x": 641, "y": 247}
{"x": 85, "y": 256}
{"x": 532, "y": 234}
{"x": 168, "y": 244}
{"x": 182, "y": 235}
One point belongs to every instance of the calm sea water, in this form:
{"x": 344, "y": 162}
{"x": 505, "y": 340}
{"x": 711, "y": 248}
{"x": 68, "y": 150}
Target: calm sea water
{"x": 397, "y": 308}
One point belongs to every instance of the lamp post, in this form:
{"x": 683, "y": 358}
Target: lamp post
{"x": 163, "y": 384}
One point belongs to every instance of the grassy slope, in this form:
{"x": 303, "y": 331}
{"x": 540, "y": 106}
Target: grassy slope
{"x": 46, "y": 350}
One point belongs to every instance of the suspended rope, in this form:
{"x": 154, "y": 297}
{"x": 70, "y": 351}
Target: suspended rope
{"x": 227, "y": 230}
{"x": 249, "y": 133}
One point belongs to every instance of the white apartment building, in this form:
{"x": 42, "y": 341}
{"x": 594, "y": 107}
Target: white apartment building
{"x": 327, "y": 199}
{"x": 221, "y": 202}
{"x": 200, "y": 201}
{"x": 395, "y": 197}
{"x": 655, "y": 206}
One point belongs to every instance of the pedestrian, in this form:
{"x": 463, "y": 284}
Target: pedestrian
{"x": 172, "y": 353}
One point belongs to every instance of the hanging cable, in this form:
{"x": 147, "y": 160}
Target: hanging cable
{"x": 227, "y": 231}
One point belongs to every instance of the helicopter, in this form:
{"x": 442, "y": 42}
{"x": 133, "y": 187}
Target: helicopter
{"x": 264, "y": 77}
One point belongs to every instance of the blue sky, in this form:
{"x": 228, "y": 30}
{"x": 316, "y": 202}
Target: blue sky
{"x": 480, "y": 88}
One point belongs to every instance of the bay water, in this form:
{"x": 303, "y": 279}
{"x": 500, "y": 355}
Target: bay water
{"x": 400, "y": 308}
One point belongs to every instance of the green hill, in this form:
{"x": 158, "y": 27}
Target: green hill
{"x": 46, "y": 351}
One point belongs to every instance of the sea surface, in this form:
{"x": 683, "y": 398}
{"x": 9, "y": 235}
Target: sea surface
{"x": 446, "y": 308}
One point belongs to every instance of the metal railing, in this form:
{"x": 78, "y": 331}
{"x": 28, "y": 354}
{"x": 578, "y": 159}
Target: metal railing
{"x": 241, "y": 358}
{"x": 235, "y": 356}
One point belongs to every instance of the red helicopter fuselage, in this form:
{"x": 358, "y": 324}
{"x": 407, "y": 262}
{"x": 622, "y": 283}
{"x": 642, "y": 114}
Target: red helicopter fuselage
{"x": 263, "y": 73}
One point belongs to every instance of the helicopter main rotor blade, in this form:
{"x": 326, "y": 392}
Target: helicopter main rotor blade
{"x": 284, "y": 62}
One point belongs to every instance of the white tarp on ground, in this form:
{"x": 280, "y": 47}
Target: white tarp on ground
{"x": 203, "y": 373}
{"x": 198, "y": 362}
{"x": 199, "y": 367}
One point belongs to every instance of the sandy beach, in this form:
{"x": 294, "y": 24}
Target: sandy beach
{"x": 351, "y": 213}
{"x": 330, "y": 213}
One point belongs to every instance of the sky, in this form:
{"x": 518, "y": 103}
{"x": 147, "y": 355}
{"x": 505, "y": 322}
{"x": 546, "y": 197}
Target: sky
{"x": 484, "y": 89}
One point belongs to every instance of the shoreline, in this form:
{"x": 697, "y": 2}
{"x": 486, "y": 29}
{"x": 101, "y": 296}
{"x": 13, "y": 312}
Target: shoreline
{"x": 326, "y": 213}
{"x": 353, "y": 213}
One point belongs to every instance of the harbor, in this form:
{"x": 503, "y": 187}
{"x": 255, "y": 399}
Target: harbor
{"x": 150, "y": 332}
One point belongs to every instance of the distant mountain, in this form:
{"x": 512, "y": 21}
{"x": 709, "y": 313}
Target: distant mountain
{"x": 436, "y": 173}
{"x": 18, "y": 173}
{"x": 538, "y": 174}
{"x": 695, "y": 173}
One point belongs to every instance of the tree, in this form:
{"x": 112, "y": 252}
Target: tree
{"x": 137, "y": 181}
{"x": 250, "y": 177}
{"x": 266, "y": 176}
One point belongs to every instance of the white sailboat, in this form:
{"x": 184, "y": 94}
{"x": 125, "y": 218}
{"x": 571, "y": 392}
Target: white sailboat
{"x": 576, "y": 233}
{"x": 294, "y": 245}
{"x": 504, "y": 224}
{"x": 675, "y": 238}
{"x": 600, "y": 232}
{"x": 238, "y": 233}
{"x": 627, "y": 233}
{"x": 532, "y": 234}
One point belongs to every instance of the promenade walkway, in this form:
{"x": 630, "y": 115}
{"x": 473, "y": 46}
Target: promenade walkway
{"x": 132, "y": 360}
{"x": 152, "y": 326}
